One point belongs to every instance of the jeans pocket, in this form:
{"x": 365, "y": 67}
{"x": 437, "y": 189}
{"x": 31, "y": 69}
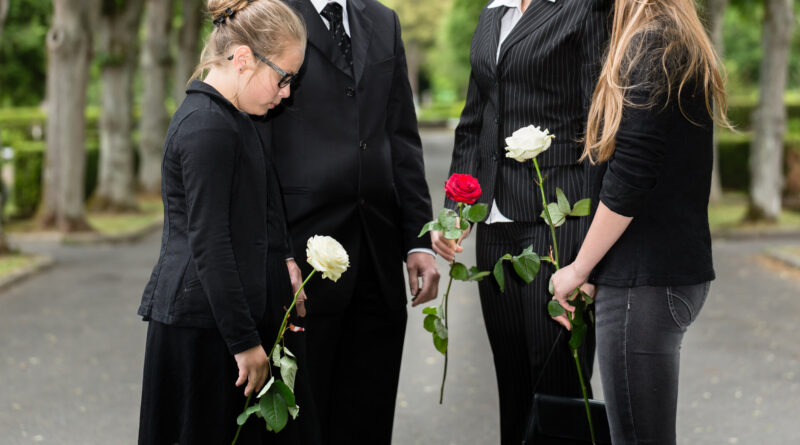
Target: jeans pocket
{"x": 685, "y": 302}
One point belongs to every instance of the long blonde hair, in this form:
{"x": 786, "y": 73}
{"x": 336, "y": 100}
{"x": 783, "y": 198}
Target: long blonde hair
{"x": 268, "y": 27}
{"x": 683, "y": 56}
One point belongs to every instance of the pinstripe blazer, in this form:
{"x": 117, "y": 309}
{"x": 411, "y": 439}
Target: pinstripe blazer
{"x": 545, "y": 76}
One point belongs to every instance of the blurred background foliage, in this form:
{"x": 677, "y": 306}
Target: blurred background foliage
{"x": 437, "y": 35}
{"x": 440, "y": 31}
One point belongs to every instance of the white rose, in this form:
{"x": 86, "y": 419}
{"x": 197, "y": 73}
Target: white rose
{"x": 326, "y": 255}
{"x": 527, "y": 143}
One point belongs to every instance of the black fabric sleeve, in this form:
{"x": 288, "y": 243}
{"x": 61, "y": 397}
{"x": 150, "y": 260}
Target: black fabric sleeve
{"x": 279, "y": 212}
{"x": 467, "y": 136}
{"x": 408, "y": 165}
{"x": 208, "y": 151}
{"x": 634, "y": 168}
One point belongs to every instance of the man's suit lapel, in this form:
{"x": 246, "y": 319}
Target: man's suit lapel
{"x": 537, "y": 14}
{"x": 320, "y": 36}
{"x": 360, "y": 34}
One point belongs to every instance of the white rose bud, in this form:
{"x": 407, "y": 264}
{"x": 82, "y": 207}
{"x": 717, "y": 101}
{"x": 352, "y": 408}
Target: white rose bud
{"x": 527, "y": 143}
{"x": 327, "y": 256}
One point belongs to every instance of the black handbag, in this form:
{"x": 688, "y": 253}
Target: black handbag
{"x": 558, "y": 420}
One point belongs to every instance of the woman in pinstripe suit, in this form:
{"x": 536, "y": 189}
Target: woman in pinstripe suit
{"x": 533, "y": 62}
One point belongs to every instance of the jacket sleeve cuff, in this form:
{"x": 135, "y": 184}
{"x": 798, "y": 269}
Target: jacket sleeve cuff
{"x": 241, "y": 345}
{"x": 420, "y": 249}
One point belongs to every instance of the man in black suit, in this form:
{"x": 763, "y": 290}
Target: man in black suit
{"x": 349, "y": 160}
{"x": 534, "y": 62}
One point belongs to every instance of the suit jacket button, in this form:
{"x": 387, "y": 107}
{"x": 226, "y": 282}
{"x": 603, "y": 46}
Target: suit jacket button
{"x": 350, "y": 92}
{"x": 362, "y": 202}
{"x": 494, "y": 157}
{"x": 497, "y": 120}
{"x": 363, "y": 145}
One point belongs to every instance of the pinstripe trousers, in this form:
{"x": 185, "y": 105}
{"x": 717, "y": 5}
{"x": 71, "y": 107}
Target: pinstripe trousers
{"x": 521, "y": 332}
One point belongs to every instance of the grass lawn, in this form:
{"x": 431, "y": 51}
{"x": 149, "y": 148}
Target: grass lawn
{"x": 110, "y": 224}
{"x": 14, "y": 262}
{"x": 729, "y": 214}
{"x": 150, "y": 210}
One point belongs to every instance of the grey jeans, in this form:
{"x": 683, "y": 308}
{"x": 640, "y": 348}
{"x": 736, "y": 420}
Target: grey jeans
{"x": 639, "y": 334}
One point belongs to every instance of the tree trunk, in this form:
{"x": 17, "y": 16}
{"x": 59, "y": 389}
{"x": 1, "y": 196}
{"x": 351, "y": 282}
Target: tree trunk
{"x": 155, "y": 66}
{"x": 69, "y": 47}
{"x": 413, "y": 61}
{"x": 716, "y": 20}
{"x": 118, "y": 33}
{"x": 188, "y": 46}
{"x": 3, "y": 11}
{"x": 766, "y": 150}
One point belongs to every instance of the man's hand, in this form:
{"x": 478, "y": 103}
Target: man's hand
{"x": 297, "y": 280}
{"x": 422, "y": 265}
{"x": 448, "y": 248}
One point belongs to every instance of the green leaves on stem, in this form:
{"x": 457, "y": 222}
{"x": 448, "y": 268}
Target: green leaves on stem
{"x": 451, "y": 225}
{"x": 277, "y": 401}
{"x": 436, "y": 316}
{"x": 460, "y": 272}
{"x": 582, "y": 302}
{"x": 277, "y": 396}
{"x": 526, "y": 265}
{"x": 435, "y": 324}
{"x": 561, "y": 209}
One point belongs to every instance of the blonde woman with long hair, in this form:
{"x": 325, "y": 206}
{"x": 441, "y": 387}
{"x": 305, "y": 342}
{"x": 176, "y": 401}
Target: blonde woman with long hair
{"x": 648, "y": 249}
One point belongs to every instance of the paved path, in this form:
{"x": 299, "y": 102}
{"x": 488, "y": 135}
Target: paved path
{"x": 71, "y": 352}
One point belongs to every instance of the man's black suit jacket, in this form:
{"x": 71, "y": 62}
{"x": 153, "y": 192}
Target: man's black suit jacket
{"x": 545, "y": 76}
{"x": 348, "y": 152}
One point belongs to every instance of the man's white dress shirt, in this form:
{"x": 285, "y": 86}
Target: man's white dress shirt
{"x": 319, "y": 5}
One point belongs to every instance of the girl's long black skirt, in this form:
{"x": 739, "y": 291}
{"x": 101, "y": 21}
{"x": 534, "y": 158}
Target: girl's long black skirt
{"x": 189, "y": 395}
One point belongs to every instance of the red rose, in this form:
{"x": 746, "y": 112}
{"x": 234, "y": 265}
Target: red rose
{"x": 462, "y": 188}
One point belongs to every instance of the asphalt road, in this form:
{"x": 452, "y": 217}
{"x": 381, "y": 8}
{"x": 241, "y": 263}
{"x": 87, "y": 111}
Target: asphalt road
{"x": 71, "y": 349}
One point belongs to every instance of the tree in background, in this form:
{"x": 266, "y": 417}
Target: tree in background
{"x": 451, "y": 68}
{"x": 3, "y": 13}
{"x": 766, "y": 150}
{"x": 23, "y": 53}
{"x": 69, "y": 48}
{"x": 156, "y": 63}
{"x": 188, "y": 36}
{"x": 419, "y": 20}
{"x": 715, "y": 15}
{"x": 118, "y": 30}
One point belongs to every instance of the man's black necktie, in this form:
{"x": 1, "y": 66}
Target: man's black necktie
{"x": 333, "y": 13}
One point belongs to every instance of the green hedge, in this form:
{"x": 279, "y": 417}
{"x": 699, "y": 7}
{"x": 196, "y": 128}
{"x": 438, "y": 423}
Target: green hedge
{"x": 740, "y": 111}
{"x": 734, "y": 158}
{"x": 23, "y": 120}
{"x": 28, "y": 161}
{"x": 28, "y": 168}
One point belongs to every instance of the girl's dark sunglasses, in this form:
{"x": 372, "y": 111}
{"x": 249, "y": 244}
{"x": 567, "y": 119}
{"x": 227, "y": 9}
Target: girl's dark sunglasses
{"x": 286, "y": 78}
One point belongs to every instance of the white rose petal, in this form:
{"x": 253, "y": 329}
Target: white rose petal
{"x": 327, "y": 256}
{"x": 527, "y": 143}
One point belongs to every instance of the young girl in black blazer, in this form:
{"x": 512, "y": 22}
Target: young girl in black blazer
{"x": 209, "y": 301}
